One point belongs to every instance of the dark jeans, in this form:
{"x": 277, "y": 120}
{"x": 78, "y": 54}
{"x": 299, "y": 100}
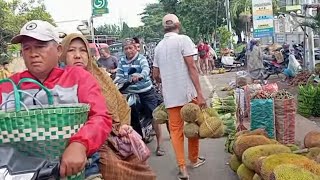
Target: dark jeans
{"x": 149, "y": 101}
{"x": 92, "y": 168}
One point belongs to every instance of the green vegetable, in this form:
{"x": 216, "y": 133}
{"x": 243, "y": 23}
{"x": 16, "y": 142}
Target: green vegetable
{"x": 306, "y": 100}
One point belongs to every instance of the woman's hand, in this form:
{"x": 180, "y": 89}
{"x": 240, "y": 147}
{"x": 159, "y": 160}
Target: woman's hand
{"x": 125, "y": 130}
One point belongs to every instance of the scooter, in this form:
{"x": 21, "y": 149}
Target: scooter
{"x": 16, "y": 166}
{"x": 139, "y": 120}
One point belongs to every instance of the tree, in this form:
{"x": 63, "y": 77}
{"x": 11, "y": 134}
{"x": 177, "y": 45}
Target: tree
{"x": 169, "y": 6}
{"x": 199, "y": 17}
{"x": 224, "y": 36}
{"x": 152, "y": 20}
{"x": 14, "y": 14}
{"x": 108, "y": 30}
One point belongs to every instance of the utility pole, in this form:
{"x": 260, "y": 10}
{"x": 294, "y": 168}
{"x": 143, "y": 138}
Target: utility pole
{"x": 311, "y": 58}
{"x": 228, "y": 14}
{"x": 92, "y": 29}
{"x": 216, "y": 24}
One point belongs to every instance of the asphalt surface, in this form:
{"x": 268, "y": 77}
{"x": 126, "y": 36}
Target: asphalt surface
{"x": 216, "y": 167}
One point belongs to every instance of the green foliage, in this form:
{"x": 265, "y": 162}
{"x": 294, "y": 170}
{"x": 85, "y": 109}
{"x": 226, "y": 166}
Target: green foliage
{"x": 198, "y": 17}
{"x": 313, "y": 23}
{"x": 224, "y": 36}
{"x": 13, "y": 15}
{"x": 169, "y": 6}
{"x": 108, "y": 29}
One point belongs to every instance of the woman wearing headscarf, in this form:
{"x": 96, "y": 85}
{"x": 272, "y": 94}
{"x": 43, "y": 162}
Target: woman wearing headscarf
{"x": 116, "y": 158}
{"x": 255, "y": 59}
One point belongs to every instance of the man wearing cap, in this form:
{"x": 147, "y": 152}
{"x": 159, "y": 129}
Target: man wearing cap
{"x": 175, "y": 68}
{"x": 41, "y": 51}
{"x": 142, "y": 85}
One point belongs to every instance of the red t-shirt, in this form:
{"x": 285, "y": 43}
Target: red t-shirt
{"x": 203, "y": 51}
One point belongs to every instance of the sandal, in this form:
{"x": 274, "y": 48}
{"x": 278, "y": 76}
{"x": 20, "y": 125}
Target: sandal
{"x": 160, "y": 151}
{"x": 148, "y": 139}
{"x": 201, "y": 161}
{"x": 183, "y": 175}
{"x": 153, "y": 133}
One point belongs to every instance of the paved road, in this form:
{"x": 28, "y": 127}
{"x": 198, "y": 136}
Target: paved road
{"x": 213, "y": 149}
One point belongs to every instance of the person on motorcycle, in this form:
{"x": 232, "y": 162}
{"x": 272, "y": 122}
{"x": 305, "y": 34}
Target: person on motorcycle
{"x": 157, "y": 86}
{"x": 76, "y": 52}
{"x": 142, "y": 84}
{"x": 109, "y": 62}
{"x": 175, "y": 68}
{"x": 41, "y": 49}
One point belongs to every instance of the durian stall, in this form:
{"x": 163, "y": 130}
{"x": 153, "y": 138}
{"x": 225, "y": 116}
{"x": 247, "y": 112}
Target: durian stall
{"x": 267, "y": 151}
{"x": 258, "y": 122}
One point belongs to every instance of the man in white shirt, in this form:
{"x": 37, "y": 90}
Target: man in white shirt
{"x": 175, "y": 68}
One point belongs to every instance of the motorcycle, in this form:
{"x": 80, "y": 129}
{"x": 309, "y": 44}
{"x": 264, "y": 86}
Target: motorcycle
{"x": 140, "y": 122}
{"x": 16, "y": 166}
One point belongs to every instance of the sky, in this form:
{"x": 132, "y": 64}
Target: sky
{"x": 66, "y": 10}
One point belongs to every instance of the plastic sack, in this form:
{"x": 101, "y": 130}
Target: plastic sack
{"x": 262, "y": 115}
{"x": 139, "y": 148}
{"x": 285, "y": 120}
{"x": 270, "y": 88}
{"x": 227, "y": 60}
{"x": 240, "y": 99}
{"x": 242, "y": 78}
{"x": 249, "y": 91}
{"x": 293, "y": 65}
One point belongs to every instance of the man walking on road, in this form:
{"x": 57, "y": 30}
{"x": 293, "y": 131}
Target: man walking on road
{"x": 175, "y": 68}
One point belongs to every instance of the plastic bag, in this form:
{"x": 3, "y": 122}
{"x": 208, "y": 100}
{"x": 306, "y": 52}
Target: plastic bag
{"x": 270, "y": 88}
{"x": 242, "y": 78}
{"x": 139, "y": 148}
{"x": 227, "y": 60}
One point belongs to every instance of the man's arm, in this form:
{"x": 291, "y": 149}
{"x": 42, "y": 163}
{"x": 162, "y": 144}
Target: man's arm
{"x": 145, "y": 67}
{"x": 194, "y": 75}
{"x": 120, "y": 71}
{"x": 156, "y": 74}
{"x": 115, "y": 63}
{"x": 188, "y": 51}
{"x": 156, "y": 69}
{"x": 98, "y": 126}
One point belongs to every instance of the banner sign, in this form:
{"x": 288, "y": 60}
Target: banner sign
{"x": 262, "y": 16}
{"x": 99, "y": 7}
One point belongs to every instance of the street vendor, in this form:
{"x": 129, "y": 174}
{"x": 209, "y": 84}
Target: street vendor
{"x": 293, "y": 68}
{"x": 41, "y": 50}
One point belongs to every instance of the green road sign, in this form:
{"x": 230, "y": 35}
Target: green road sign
{"x": 99, "y": 7}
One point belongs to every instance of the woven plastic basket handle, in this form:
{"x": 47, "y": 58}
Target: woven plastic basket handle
{"x": 24, "y": 80}
{"x": 15, "y": 93}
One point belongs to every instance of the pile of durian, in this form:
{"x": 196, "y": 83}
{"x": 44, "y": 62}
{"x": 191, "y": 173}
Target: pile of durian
{"x": 257, "y": 157}
{"x": 201, "y": 123}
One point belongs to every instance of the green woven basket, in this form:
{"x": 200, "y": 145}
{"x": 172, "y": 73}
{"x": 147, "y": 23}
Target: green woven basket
{"x": 42, "y": 132}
